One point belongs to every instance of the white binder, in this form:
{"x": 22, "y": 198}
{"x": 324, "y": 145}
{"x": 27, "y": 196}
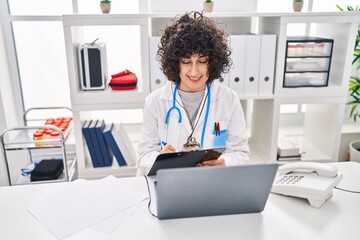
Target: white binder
{"x": 224, "y": 80}
{"x": 157, "y": 77}
{"x": 252, "y": 63}
{"x": 237, "y": 72}
{"x": 267, "y": 64}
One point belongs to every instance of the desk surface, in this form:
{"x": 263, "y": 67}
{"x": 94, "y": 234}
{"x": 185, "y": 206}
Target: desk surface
{"x": 283, "y": 217}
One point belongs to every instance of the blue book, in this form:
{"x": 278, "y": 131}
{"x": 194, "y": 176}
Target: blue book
{"x": 109, "y": 137}
{"x": 104, "y": 148}
{"x": 95, "y": 141}
{"x": 89, "y": 143}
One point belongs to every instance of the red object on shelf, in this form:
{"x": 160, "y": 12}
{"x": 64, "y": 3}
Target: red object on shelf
{"x": 125, "y": 80}
{"x": 123, "y": 73}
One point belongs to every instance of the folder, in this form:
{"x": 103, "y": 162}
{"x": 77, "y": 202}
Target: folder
{"x": 157, "y": 77}
{"x": 237, "y": 72}
{"x": 184, "y": 159}
{"x": 110, "y": 139}
{"x": 267, "y": 64}
{"x": 224, "y": 80}
{"x": 89, "y": 143}
{"x": 123, "y": 141}
{"x": 252, "y": 63}
{"x": 104, "y": 148}
{"x": 95, "y": 142}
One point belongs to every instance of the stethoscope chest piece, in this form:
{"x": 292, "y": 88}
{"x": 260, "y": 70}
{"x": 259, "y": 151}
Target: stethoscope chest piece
{"x": 191, "y": 145}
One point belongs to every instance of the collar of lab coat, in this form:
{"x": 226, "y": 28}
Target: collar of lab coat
{"x": 167, "y": 95}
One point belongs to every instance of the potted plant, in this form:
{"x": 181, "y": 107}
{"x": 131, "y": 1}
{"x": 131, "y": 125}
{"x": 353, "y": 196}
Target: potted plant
{"x": 298, "y": 5}
{"x": 354, "y": 83}
{"x": 208, "y": 6}
{"x": 105, "y": 6}
{"x": 354, "y": 89}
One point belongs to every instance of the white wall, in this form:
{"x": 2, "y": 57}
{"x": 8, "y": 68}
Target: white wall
{"x": 9, "y": 86}
{"x": 197, "y": 5}
{"x": 4, "y": 75}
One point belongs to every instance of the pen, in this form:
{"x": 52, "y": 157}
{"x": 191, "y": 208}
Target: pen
{"x": 163, "y": 143}
{"x": 215, "y": 129}
{"x": 218, "y": 127}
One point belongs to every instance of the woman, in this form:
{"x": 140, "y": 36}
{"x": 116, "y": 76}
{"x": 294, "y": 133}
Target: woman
{"x": 191, "y": 110}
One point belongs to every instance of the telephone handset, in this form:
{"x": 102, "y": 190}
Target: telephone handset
{"x": 311, "y": 180}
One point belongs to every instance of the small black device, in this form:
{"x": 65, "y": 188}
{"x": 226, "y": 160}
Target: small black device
{"x": 93, "y": 66}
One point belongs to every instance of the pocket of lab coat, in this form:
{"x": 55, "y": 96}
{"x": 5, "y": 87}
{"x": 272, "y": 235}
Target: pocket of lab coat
{"x": 220, "y": 139}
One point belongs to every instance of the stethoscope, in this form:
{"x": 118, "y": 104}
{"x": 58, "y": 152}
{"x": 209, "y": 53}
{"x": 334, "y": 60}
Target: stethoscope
{"x": 174, "y": 107}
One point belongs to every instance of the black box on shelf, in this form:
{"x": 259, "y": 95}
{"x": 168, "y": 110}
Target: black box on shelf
{"x": 93, "y": 66}
{"x": 48, "y": 169}
{"x": 307, "y": 62}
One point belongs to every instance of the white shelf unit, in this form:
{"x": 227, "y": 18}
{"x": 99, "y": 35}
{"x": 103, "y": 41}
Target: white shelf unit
{"x": 321, "y": 131}
{"x": 323, "y": 121}
{"x": 340, "y": 26}
{"x": 83, "y": 102}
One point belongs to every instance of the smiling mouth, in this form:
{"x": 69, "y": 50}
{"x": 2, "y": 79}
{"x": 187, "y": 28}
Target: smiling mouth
{"x": 194, "y": 79}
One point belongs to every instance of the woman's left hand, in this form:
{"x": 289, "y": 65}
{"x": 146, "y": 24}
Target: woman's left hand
{"x": 215, "y": 162}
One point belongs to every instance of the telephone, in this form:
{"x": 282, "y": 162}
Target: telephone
{"x": 311, "y": 180}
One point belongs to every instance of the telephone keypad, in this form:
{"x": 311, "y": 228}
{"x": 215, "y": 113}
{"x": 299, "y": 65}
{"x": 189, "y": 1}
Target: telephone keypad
{"x": 289, "y": 179}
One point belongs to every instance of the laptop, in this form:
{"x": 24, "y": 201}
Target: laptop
{"x": 209, "y": 191}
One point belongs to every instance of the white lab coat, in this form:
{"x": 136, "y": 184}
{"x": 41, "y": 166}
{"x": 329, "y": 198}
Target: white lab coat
{"x": 225, "y": 108}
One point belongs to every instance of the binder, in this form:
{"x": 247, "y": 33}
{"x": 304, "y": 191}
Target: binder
{"x": 224, "y": 80}
{"x": 89, "y": 143}
{"x": 157, "y": 77}
{"x": 104, "y": 148}
{"x": 109, "y": 137}
{"x": 252, "y": 63}
{"x": 95, "y": 142}
{"x": 267, "y": 64}
{"x": 123, "y": 141}
{"x": 237, "y": 73}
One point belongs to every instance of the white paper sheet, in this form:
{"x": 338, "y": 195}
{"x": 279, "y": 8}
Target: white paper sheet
{"x": 82, "y": 203}
{"x": 109, "y": 224}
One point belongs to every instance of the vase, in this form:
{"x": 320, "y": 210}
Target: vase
{"x": 297, "y": 6}
{"x": 208, "y": 6}
{"x": 355, "y": 151}
{"x": 105, "y": 7}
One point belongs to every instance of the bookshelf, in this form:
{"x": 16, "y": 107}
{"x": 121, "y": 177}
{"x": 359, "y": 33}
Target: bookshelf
{"x": 322, "y": 127}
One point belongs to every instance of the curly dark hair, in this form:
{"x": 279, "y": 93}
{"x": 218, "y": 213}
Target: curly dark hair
{"x": 193, "y": 33}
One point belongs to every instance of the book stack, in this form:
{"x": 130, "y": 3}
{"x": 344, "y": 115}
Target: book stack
{"x": 106, "y": 142}
{"x": 288, "y": 150}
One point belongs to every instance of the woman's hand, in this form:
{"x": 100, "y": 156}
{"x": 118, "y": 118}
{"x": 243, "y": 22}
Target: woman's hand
{"x": 167, "y": 149}
{"x": 211, "y": 163}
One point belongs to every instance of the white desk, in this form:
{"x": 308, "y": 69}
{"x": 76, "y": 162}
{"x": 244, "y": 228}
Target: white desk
{"x": 283, "y": 217}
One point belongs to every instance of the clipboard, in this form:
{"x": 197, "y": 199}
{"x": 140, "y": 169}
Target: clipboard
{"x": 184, "y": 159}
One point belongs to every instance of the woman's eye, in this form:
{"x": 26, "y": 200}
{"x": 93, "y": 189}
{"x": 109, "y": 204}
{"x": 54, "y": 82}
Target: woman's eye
{"x": 203, "y": 60}
{"x": 185, "y": 61}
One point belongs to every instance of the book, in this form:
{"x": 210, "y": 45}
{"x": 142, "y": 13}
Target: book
{"x": 123, "y": 141}
{"x": 104, "y": 148}
{"x": 89, "y": 143}
{"x": 287, "y": 147}
{"x": 289, "y": 158}
{"x": 95, "y": 142}
{"x": 109, "y": 137}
